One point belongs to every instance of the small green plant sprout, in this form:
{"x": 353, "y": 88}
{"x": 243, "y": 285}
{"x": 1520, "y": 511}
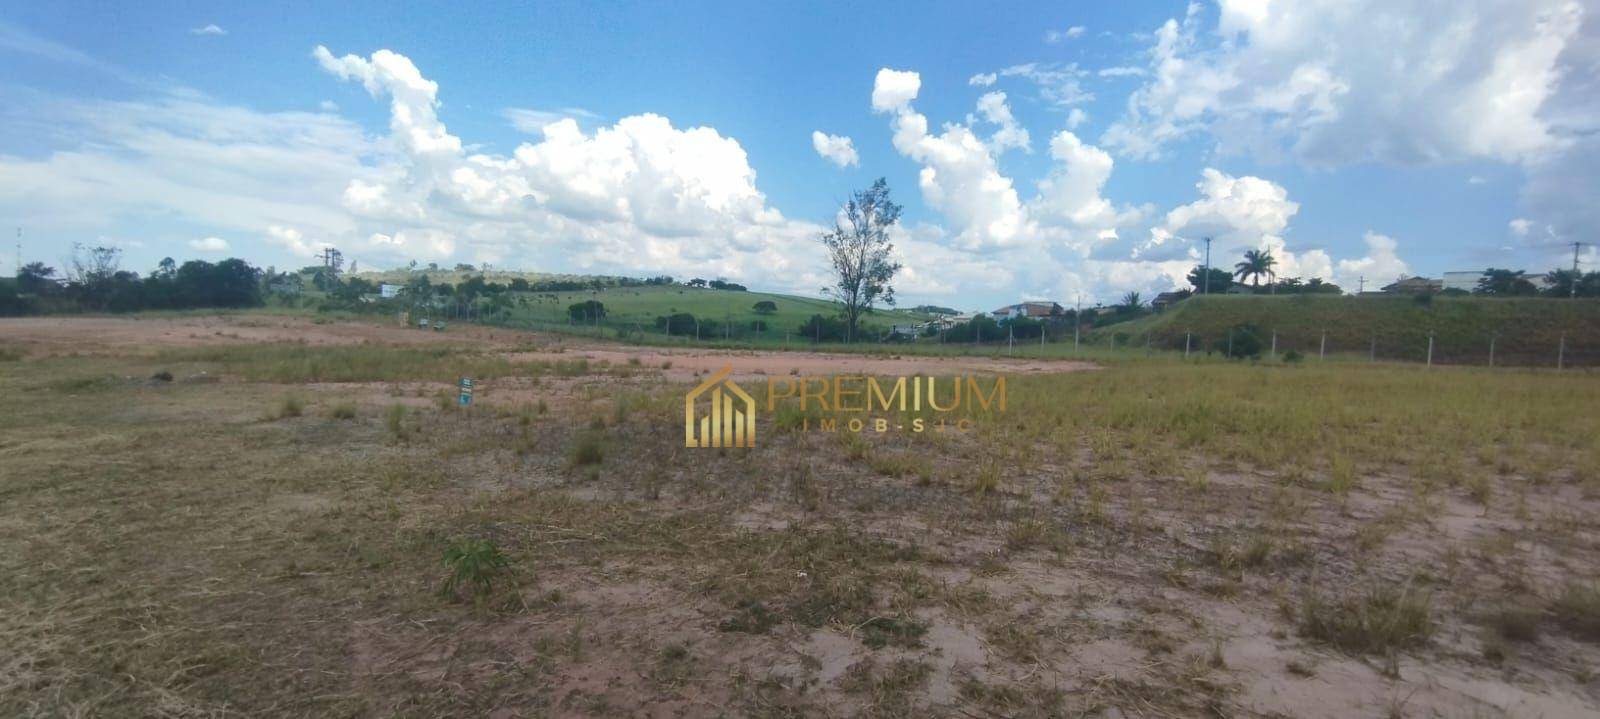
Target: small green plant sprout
{"x": 473, "y": 565}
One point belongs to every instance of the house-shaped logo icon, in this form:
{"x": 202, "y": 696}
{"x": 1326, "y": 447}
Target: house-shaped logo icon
{"x": 731, "y": 421}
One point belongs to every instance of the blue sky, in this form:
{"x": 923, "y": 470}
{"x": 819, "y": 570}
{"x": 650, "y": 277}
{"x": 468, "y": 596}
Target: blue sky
{"x": 1351, "y": 156}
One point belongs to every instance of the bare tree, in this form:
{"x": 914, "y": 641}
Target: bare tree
{"x": 860, "y": 250}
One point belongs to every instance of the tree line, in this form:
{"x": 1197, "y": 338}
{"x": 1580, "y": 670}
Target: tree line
{"x": 94, "y": 281}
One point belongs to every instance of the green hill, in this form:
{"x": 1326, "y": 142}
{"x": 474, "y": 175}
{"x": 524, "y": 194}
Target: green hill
{"x": 1525, "y": 331}
{"x": 721, "y": 312}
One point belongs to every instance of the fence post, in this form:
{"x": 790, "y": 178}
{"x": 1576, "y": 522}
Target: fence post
{"x": 1274, "y": 354}
{"x": 1492, "y": 338}
{"x": 1322, "y": 352}
{"x": 1011, "y": 338}
{"x": 1076, "y": 323}
{"x": 1372, "y": 354}
{"x": 1561, "y": 352}
{"x": 1230, "y": 343}
{"x": 1186, "y": 345}
{"x": 1430, "y": 350}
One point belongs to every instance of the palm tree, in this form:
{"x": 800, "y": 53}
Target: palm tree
{"x": 1131, "y": 301}
{"x": 1257, "y": 264}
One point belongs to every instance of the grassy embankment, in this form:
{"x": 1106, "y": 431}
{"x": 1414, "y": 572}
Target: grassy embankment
{"x": 1528, "y": 330}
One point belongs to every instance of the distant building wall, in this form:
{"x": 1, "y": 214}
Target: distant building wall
{"x": 1467, "y": 281}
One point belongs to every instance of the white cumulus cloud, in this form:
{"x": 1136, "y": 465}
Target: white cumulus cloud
{"x": 209, "y": 244}
{"x": 211, "y": 29}
{"x": 893, "y": 89}
{"x": 836, "y": 149}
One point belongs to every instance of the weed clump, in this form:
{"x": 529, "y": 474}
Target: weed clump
{"x": 394, "y": 419}
{"x": 1578, "y": 608}
{"x": 343, "y": 410}
{"x": 586, "y": 451}
{"x": 291, "y": 406}
{"x": 1379, "y": 621}
{"x": 473, "y": 565}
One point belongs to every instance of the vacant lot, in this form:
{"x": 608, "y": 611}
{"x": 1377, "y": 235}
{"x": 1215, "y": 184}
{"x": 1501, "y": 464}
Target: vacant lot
{"x": 266, "y": 515}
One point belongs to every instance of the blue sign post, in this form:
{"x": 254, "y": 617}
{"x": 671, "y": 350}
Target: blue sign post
{"x": 466, "y": 391}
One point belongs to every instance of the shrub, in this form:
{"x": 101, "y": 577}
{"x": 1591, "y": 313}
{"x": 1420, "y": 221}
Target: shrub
{"x": 587, "y": 311}
{"x": 291, "y": 406}
{"x": 343, "y": 410}
{"x": 680, "y": 323}
{"x": 822, "y": 329}
{"x": 1245, "y": 342}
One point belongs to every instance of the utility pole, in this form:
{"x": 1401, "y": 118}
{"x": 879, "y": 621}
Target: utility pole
{"x": 1077, "y": 322}
{"x": 1205, "y": 286}
{"x": 1573, "y": 291}
{"x": 19, "y": 253}
{"x": 1363, "y": 286}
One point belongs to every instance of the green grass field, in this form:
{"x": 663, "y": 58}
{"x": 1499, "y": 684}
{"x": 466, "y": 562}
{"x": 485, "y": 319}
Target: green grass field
{"x": 1526, "y": 331}
{"x": 723, "y": 314}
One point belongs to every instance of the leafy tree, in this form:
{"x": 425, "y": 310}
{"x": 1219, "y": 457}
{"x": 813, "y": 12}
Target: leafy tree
{"x": 1131, "y": 302}
{"x": 1560, "y": 283}
{"x": 1316, "y": 285}
{"x": 765, "y": 307}
{"x": 861, "y": 254}
{"x": 1505, "y": 283}
{"x": 1221, "y": 279}
{"x": 36, "y": 279}
{"x": 696, "y": 282}
{"x": 725, "y": 285}
{"x": 1256, "y": 265}
{"x": 519, "y": 284}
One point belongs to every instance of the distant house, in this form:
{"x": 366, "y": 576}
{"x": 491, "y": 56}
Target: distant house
{"x": 1466, "y": 281}
{"x": 1027, "y": 309}
{"x": 1414, "y": 286}
{"x": 1167, "y": 299}
{"x": 388, "y": 291}
{"x": 910, "y": 331}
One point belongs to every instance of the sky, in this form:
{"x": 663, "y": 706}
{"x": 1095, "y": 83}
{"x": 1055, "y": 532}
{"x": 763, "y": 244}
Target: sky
{"x": 1041, "y": 151}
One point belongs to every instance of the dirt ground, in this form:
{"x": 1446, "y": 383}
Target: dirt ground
{"x": 44, "y": 337}
{"x": 202, "y": 548}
